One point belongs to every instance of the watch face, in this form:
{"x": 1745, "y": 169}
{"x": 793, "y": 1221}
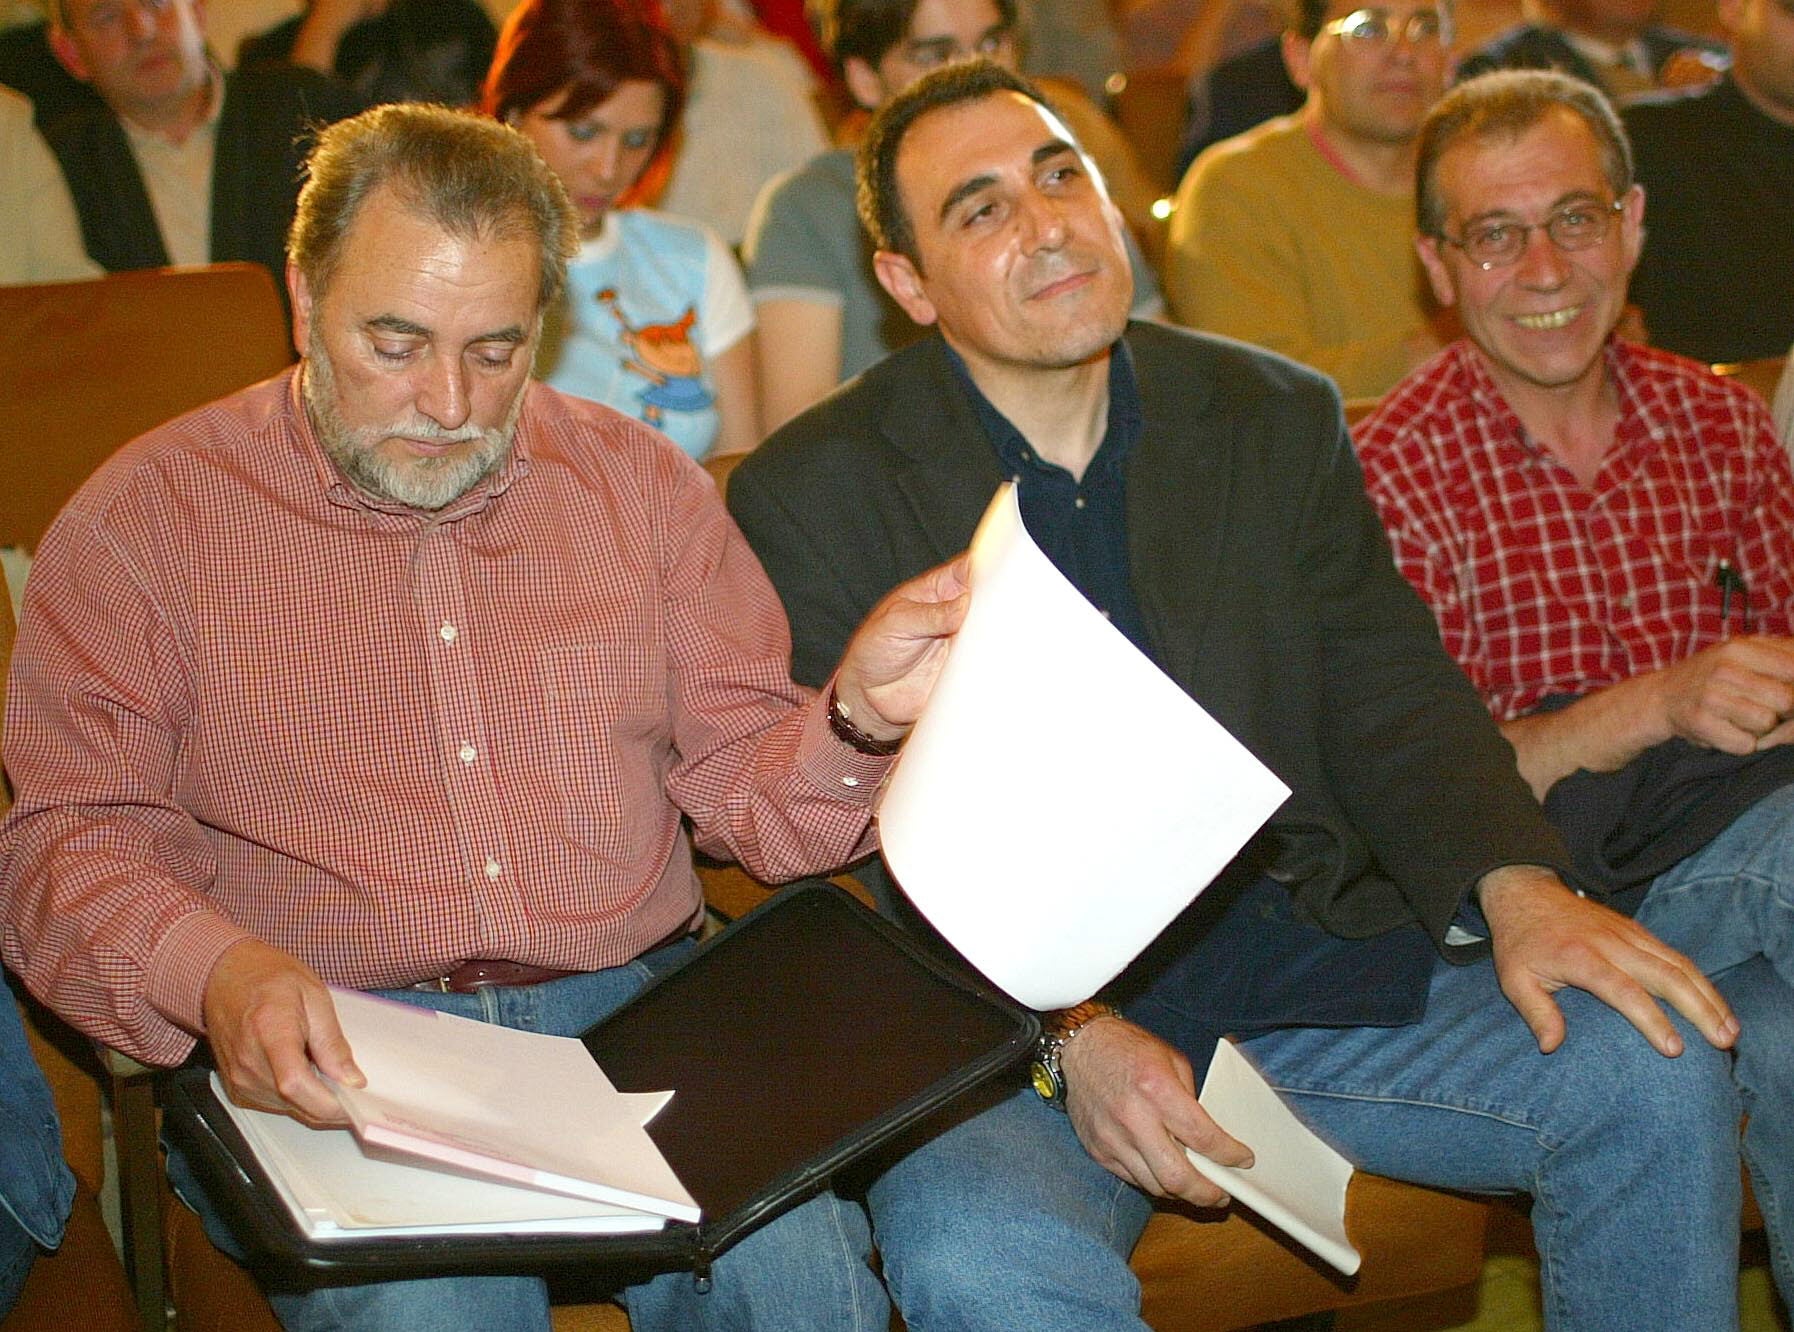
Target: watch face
{"x": 1046, "y": 1081}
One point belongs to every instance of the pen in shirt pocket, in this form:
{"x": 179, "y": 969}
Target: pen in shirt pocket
{"x": 1731, "y": 583}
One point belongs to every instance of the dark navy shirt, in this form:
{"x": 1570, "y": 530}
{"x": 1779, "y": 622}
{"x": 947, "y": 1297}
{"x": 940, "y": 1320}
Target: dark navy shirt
{"x": 1080, "y": 525}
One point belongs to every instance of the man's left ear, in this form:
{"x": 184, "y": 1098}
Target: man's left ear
{"x": 1632, "y": 228}
{"x": 1438, "y": 276}
{"x": 68, "y": 53}
{"x": 1295, "y": 58}
{"x": 299, "y": 292}
{"x": 897, "y": 274}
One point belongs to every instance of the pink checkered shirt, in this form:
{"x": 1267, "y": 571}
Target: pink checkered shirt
{"x": 247, "y": 700}
{"x": 1542, "y": 586}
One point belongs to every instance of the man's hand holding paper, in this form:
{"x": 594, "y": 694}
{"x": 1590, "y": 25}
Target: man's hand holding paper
{"x": 1132, "y": 1100}
{"x": 273, "y": 1029}
{"x": 892, "y": 662}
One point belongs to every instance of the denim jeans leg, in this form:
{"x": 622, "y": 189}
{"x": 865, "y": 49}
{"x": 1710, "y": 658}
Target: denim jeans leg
{"x": 1631, "y": 1158}
{"x": 1763, "y": 1067}
{"x": 507, "y": 1303}
{"x": 808, "y": 1271}
{"x": 1730, "y": 907}
{"x": 18, "y": 1251}
{"x": 1003, "y": 1221}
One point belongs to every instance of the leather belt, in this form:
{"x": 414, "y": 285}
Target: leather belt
{"x": 481, "y": 973}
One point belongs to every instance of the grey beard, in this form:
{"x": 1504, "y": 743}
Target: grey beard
{"x": 420, "y": 483}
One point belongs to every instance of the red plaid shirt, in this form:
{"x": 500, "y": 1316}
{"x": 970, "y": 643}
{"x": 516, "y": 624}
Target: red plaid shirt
{"x": 1542, "y": 586}
{"x": 248, "y": 700}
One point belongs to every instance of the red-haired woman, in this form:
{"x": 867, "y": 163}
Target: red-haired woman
{"x": 657, "y": 321}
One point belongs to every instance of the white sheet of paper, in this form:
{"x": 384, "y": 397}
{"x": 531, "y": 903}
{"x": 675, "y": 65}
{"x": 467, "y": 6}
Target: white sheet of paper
{"x": 1296, "y": 1181}
{"x": 1061, "y": 799}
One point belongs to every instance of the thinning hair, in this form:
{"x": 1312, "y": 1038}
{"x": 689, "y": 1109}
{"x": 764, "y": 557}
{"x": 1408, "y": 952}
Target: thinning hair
{"x": 867, "y": 29}
{"x": 470, "y": 175}
{"x": 1505, "y": 104}
{"x": 880, "y": 204}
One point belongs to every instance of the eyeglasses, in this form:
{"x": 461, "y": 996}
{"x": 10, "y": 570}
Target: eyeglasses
{"x": 1375, "y": 26}
{"x": 108, "y": 16}
{"x": 1572, "y": 227}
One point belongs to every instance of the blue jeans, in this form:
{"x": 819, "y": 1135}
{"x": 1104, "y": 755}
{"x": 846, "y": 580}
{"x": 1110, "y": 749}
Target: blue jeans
{"x": 18, "y": 1251}
{"x": 1731, "y": 909}
{"x": 806, "y": 1270}
{"x": 1003, "y": 1221}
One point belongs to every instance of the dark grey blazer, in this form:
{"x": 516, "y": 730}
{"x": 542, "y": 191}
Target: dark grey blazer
{"x": 1541, "y": 46}
{"x": 1265, "y": 582}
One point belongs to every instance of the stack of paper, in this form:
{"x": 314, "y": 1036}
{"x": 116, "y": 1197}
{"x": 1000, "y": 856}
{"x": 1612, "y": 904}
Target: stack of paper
{"x": 465, "y": 1126}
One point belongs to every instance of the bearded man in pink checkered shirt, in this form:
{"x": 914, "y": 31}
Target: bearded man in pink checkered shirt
{"x": 402, "y": 672}
{"x": 1605, "y": 534}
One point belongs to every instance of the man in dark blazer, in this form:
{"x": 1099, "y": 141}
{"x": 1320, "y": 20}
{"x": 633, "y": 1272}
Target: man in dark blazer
{"x": 1613, "y": 44}
{"x": 1204, "y": 496}
{"x": 179, "y": 163}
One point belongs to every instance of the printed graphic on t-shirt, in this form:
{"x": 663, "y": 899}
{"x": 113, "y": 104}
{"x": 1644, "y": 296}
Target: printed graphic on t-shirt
{"x": 663, "y": 355}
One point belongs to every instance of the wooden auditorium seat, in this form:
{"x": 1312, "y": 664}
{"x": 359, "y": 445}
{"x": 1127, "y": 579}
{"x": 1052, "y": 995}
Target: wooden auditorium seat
{"x": 86, "y": 366}
{"x": 1762, "y": 375}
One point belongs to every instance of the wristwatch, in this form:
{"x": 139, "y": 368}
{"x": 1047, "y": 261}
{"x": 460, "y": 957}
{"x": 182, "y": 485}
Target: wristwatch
{"x": 848, "y": 732}
{"x": 1055, "y": 1030}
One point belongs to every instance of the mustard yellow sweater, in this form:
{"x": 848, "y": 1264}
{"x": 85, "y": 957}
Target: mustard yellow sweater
{"x": 1270, "y": 244}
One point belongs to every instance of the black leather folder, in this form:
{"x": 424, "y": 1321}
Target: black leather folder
{"x": 797, "y": 1040}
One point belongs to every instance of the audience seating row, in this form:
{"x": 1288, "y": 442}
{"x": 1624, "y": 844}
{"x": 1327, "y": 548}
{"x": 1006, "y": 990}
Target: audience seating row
{"x": 137, "y": 348}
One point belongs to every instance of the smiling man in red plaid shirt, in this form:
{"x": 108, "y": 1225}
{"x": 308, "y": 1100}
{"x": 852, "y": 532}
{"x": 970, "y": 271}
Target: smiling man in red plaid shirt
{"x": 1606, "y": 536}
{"x": 402, "y": 672}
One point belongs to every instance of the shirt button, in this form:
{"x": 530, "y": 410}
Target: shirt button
{"x": 494, "y": 869}
{"x": 447, "y": 632}
{"x": 850, "y": 781}
{"x": 1626, "y": 602}
{"x": 468, "y": 752}
{"x": 1078, "y": 503}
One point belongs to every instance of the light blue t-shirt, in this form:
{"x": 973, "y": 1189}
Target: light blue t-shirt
{"x": 651, "y": 300}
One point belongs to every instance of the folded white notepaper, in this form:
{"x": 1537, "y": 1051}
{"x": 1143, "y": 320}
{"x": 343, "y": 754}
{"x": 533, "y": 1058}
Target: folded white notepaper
{"x": 468, "y": 1127}
{"x": 1061, "y": 799}
{"x": 1296, "y": 1181}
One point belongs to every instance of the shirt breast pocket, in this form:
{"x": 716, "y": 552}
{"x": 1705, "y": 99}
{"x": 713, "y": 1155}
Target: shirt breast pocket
{"x": 609, "y": 743}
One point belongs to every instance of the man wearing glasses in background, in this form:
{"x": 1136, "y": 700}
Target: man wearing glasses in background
{"x": 1294, "y": 235}
{"x": 1605, "y": 534}
{"x": 177, "y": 162}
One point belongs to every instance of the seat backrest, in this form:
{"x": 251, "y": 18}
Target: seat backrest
{"x": 86, "y": 366}
{"x": 1762, "y": 375}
